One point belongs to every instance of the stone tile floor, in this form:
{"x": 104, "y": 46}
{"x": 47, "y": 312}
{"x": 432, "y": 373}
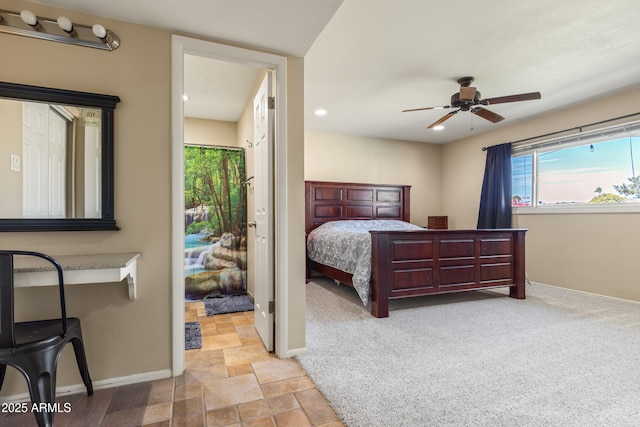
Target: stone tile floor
{"x": 231, "y": 381}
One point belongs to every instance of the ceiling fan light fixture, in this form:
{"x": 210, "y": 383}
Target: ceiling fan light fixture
{"x": 439, "y": 127}
{"x": 320, "y": 112}
{"x": 468, "y": 98}
{"x": 467, "y": 93}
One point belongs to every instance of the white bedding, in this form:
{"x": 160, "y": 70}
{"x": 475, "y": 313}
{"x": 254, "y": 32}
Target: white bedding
{"x": 346, "y": 245}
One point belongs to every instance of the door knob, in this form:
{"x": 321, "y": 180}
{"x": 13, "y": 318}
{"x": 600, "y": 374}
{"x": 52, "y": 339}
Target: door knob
{"x": 251, "y": 224}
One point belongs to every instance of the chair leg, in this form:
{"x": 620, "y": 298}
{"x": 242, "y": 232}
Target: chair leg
{"x": 3, "y": 370}
{"x": 42, "y": 388}
{"x": 81, "y": 358}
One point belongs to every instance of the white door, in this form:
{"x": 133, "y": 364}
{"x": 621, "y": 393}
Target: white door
{"x": 56, "y": 171}
{"x": 35, "y": 129}
{"x": 44, "y": 142}
{"x": 263, "y": 173}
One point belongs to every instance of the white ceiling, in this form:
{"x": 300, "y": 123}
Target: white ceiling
{"x": 377, "y": 57}
{"x": 222, "y": 97}
{"x": 283, "y": 26}
{"x": 219, "y": 90}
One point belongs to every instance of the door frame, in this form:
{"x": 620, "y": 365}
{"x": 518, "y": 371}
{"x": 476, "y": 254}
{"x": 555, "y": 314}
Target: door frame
{"x": 180, "y": 46}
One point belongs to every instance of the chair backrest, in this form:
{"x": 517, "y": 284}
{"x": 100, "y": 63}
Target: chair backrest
{"x": 7, "y": 336}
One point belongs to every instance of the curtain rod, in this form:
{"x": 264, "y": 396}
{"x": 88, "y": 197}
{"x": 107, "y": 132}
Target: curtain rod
{"x": 569, "y": 129}
{"x": 226, "y": 147}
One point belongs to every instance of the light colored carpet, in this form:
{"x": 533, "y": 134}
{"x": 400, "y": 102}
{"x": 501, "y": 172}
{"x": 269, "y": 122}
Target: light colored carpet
{"x": 558, "y": 358}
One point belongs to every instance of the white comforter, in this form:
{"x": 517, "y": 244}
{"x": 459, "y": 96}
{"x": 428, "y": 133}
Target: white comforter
{"x": 346, "y": 245}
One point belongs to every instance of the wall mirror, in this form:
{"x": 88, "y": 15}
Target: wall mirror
{"x": 56, "y": 159}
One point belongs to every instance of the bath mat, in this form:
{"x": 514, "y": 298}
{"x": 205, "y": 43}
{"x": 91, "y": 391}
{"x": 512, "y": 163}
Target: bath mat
{"x": 192, "y": 336}
{"x": 228, "y": 304}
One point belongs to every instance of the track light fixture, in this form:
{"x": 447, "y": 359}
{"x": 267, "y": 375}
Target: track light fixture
{"x": 66, "y": 25}
{"x": 26, "y": 23}
{"x": 30, "y": 19}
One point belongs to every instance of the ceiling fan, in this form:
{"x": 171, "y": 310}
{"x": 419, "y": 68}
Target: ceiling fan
{"x": 469, "y": 99}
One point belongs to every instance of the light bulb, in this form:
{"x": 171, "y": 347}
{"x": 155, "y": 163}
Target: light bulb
{"x": 65, "y": 24}
{"x": 99, "y": 31}
{"x": 29, "y": 18}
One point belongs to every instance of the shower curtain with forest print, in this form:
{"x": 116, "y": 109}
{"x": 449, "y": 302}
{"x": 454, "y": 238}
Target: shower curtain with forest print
{"x": 215, "y": 222}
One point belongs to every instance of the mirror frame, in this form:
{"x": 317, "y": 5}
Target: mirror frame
{"x": 107, "y": 103}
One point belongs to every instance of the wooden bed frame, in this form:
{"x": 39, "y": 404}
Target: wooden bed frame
{"x": 414, "y": 263}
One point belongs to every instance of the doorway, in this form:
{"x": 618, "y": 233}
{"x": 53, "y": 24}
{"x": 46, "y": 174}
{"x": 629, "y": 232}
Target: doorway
{"x": 180, "y": 47}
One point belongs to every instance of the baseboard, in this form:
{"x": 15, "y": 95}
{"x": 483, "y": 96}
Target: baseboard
{"x": 587, "y": 293}
{"x": 97, "y": 385}
{"x": 295, "y": 352}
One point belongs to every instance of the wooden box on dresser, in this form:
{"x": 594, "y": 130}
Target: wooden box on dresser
{"x": 438, "y": 222}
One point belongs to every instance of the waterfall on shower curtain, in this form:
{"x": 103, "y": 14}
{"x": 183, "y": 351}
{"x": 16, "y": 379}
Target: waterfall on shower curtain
{"x": 215, "y": 215}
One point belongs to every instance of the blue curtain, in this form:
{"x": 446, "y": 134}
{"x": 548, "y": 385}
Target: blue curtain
{"x": 495, "y": 200}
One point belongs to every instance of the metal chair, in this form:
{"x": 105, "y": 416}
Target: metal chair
{"x": 34, "y": 347}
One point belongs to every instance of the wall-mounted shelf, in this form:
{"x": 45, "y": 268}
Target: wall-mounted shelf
{"x": 79, "y": 270}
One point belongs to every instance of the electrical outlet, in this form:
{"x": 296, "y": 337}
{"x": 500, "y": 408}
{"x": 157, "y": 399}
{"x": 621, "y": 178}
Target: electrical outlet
{"x": 15, "y": 163}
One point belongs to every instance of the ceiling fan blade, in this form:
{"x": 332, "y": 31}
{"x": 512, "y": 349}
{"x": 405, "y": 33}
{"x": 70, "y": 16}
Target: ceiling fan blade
{"x": 467, "y": 93}
{"x": 487, "y": 114}
{"x": 512, "y": 98}
{"x": 442, "y": 119}
{"x": 427, "y": 108}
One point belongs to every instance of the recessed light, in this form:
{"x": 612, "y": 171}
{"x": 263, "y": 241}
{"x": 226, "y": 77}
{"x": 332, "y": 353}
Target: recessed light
{"x": 439, "y": 127}
{"x": 185, "y": 97}
{"x": 320, "y": 112}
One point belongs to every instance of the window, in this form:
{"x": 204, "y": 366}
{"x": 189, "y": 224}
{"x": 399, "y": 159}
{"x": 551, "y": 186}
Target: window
{"x": 589, "y": 170}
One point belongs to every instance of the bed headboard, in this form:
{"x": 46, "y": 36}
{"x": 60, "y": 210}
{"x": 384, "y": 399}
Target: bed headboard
{"x": 332, "y": 201}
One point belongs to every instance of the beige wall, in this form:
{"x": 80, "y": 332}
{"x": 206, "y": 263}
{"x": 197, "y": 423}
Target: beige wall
{"x": 347, "y": 158}
{"x": 11, "y": 119}
{"x": 124, "y": 337}
{"x": 210, "y": 132}
{"x": 588, "y": 252}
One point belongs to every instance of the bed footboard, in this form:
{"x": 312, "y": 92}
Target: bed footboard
{"x": 413, "y": 263}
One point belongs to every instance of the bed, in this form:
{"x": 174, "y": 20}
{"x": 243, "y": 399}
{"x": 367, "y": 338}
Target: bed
{"x": 405, "y": 260}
